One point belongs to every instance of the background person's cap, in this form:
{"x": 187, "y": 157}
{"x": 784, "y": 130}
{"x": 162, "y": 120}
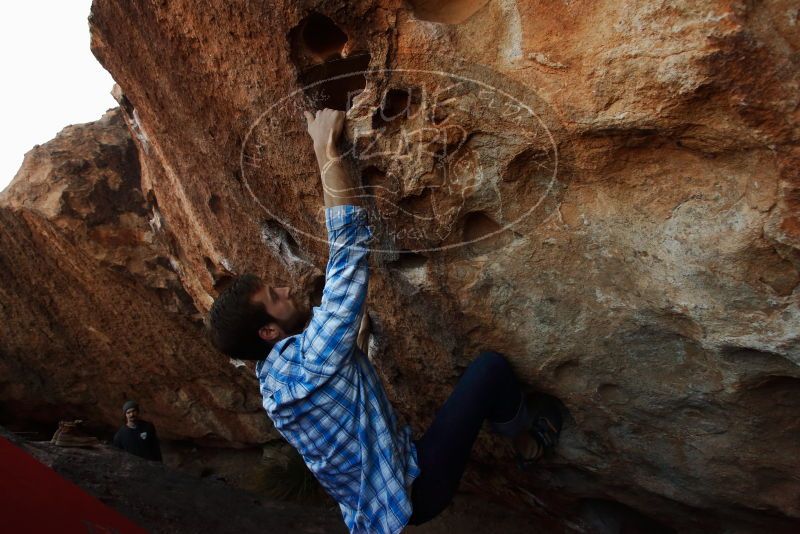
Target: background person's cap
{"x": 128, "y": 405}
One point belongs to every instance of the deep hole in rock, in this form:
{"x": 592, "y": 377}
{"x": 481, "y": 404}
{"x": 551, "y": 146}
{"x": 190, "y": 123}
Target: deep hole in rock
{"x": 210, "y": 267}
{"x": 409, "y": 260}
{"x": 373, "y": 179}
{"x": 477, "y": 225}
{"x": 321, "y": 36}
{"x": 530, "y": 164}
{"x": 771, "y": 392}
{"x": 334, "y": 84}
{"x": 397, "y": 104}
{"x": 752, "y": 363}
{"x": 125, "y": 104}
{"x": 453, "y": 12}
{"x": 482, "y": 234}
{"x": 328, "y": 79}
{"x": 215, "y": 204}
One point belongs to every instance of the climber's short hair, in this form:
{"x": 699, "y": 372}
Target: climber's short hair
{"x": 234, "y": 320}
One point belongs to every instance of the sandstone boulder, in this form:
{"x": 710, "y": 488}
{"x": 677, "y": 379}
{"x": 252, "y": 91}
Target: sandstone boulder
{"x": 605, "y": 191}
{"x": 93, "y": 305}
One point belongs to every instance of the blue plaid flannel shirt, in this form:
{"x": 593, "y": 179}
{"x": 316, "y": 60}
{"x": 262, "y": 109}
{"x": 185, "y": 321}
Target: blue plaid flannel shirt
{"x": 325, "y": 398}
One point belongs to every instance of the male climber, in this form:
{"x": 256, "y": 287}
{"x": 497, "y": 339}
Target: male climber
{"x": 325, "y": 398}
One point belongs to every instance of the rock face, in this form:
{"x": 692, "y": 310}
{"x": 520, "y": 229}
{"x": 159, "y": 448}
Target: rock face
{"x": 94, "y": 309}
{"x": 605, "y": 191}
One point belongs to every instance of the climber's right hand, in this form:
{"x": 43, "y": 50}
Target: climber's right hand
{"x": 325, "y": 127}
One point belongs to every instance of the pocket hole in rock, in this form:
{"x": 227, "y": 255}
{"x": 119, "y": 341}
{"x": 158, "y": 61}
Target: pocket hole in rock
{"x": 215, "y": 204}
{"x": 478, "y": 225}
{"x": 335, "y": 84}
{"x": 396, "y": 104}
{"x": 373, "y": 179}
{"x": 408, "y": 260}
{"x": 481, "y": 234}
{"x": 321, "y": 36}
{"x": 328, "y": 78}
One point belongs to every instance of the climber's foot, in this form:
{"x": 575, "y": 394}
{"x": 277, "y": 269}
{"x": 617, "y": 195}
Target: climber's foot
{"x": 543, "y": 432}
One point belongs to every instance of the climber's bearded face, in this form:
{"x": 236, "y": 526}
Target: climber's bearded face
{"x": 290, "y": 311}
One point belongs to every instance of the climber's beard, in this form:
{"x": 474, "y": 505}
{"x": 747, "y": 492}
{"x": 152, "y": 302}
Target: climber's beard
{"x": 306, "y": 293}
{"x": 300, "y": 319}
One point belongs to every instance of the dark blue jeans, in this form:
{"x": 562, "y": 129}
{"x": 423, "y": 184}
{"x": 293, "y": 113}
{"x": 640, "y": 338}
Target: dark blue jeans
{"x": 487, "y": 390}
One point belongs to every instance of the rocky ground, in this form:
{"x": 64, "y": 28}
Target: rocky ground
{"x": 165, "y": 500}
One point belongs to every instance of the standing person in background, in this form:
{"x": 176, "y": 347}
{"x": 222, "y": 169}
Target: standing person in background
{"x": 137, "y": 436}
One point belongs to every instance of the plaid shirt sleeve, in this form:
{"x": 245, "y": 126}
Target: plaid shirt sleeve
{"x": 330, "y": 337}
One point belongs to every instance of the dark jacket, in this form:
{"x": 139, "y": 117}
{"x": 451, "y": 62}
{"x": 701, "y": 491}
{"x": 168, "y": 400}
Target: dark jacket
{"x": 141, "y": 441}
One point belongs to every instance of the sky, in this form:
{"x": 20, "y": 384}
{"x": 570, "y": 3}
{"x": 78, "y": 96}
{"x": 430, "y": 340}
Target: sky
{"x": 49, "y": 76}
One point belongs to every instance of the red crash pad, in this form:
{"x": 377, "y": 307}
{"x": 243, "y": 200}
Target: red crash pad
{"x": 34, "y": 498}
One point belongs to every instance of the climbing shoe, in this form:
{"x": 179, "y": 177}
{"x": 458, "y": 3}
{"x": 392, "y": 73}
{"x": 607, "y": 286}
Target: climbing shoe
{"x": 543, "y": 431}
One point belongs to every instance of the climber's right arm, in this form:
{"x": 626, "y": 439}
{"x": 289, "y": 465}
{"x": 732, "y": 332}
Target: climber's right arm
{"x": 338, "y": 187}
